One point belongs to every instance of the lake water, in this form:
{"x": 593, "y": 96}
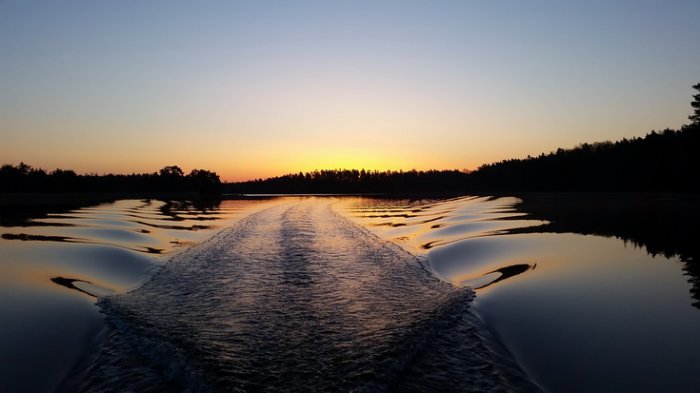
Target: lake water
{"x": 50, "y": 255}
{"x": 560, "y": 293}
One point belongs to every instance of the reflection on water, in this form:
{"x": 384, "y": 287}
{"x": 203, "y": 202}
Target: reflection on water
{"x": 662, "y": 224}
{"x": 108, "y": 230}
{"x": 428, "y": 226}
{"x": 587, "y": 292}
{"x": 581, "y": 313}
{"x": 503, "y": 273}
{"x": 297, "y": 298}
{"x": 56, "y": 259}
{"x": 85, "y": 287}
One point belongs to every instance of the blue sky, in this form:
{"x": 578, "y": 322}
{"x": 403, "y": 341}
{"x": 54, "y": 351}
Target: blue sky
{"x": 261, "y": 88}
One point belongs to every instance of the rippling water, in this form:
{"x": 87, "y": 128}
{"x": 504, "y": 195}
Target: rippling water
{"x": 297, "y": 298}
{"x": 364, "y": 294}
{"x": 428, "y": 227}
{"x": 580, "y": 313}
{"x": 54, "y": 261}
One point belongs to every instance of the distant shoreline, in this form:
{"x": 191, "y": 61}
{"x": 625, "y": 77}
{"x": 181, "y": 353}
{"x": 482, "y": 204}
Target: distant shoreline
{"x": 60, "y": 198}
{"x": 664, "y": 162}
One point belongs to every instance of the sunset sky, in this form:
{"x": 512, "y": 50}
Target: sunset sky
{"x": 262, "y": 88}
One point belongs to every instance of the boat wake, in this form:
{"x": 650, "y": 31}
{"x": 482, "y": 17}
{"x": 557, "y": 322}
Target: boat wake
{"x": 297, "y": 298}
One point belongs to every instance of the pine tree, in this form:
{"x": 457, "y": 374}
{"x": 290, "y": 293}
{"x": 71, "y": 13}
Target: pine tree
{"x": 695, "y": 117}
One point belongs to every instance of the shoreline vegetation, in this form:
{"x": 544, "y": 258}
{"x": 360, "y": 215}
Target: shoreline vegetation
{"x": 665, "y": 161}
{"x": 659, "y": 162}
{"x": 23, "y": 178}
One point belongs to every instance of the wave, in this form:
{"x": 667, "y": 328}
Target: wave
{"x": 297, "y": 298}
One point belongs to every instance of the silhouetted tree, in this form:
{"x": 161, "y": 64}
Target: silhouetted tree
{"x": 171, "y": 171}
{"x": 171, "y": 178}
{"x": 695, "y": 117}
{"x": 206, "y": 182}
{"x": 63, "y": 180}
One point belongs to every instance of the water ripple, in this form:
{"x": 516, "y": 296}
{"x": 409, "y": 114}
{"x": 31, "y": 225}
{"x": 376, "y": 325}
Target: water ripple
{"x": 297, "y": 298}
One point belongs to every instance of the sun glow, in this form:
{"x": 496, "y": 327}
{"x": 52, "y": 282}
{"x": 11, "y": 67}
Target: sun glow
{"x": 255, "y": 90}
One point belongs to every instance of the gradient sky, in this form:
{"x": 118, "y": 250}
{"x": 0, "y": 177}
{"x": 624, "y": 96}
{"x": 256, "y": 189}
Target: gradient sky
{"x": 261, "y": 88}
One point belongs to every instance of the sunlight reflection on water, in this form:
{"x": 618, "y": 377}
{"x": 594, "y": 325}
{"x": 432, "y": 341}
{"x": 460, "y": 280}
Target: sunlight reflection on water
{"x": 426, "y": 227}
{"x": 580, "y": 313}
{"x": 53, "y": 265}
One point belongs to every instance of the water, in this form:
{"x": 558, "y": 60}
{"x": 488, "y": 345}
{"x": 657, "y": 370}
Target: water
{"x": 54, "y": 261}
{"x": 561, "y": 294}
{"x": 296, "y": 298}
{"x": 580, "y": 312}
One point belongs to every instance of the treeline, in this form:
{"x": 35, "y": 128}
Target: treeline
{"x": 660, "y": 161}
{"x": 24, "y": 178}
{"x": 352, "y": 181}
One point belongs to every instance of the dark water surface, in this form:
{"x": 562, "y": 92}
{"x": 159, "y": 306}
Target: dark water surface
{"x": 559, "y": 293}
{"x": 603, "y": 298}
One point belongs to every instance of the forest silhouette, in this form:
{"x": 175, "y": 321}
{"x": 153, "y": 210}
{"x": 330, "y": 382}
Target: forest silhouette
{"x": 660, "y": 161}
{"x": 24, "y": 178}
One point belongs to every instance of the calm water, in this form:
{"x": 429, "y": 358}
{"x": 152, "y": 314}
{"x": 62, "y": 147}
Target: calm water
{"x": 470, "y": 293}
